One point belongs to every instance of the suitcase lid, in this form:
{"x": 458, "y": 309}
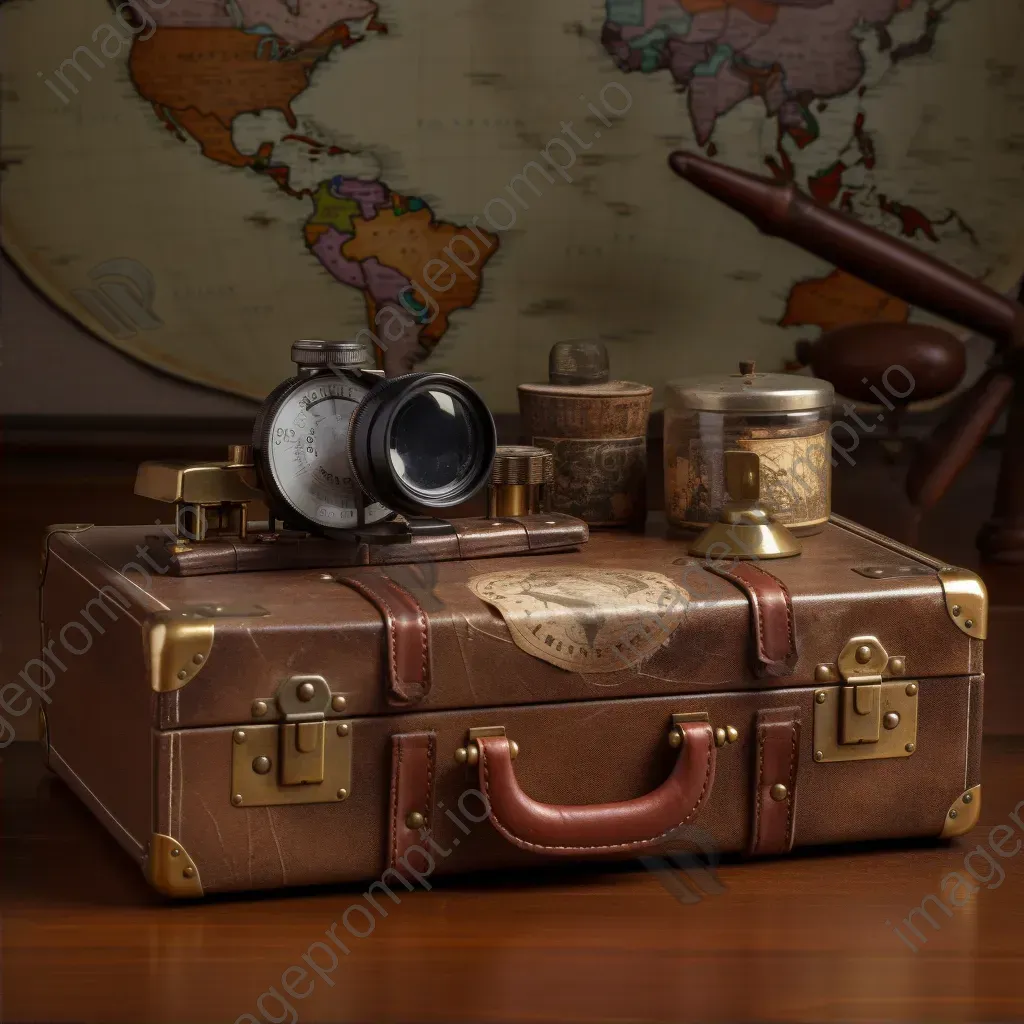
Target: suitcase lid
{"x": 212, "y": 647}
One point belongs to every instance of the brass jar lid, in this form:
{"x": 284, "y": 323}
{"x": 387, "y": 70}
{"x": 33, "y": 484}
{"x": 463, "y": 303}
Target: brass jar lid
{"x": 750, "y": 392}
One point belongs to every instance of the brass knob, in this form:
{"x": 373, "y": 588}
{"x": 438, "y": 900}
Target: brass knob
{"x": 240, "y": 454}
{"x": 519, "y": 478}
{"x": 723, "y": 735}
{"x": 730, "y": 734}
{"x": 470, "y": 753}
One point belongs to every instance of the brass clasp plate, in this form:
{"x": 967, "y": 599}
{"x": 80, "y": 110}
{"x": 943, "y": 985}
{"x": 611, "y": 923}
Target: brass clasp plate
{"x": 871, "y": 715}
{"x": 303, "y": 759}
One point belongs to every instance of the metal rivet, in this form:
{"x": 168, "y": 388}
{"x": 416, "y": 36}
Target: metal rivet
{"x": 197, "y": 659}
{"x": 338, "y": 703}
{"x": 823, "y": 673}
{"x": 342, "y": 794}
{"x": 462, "y": 754}
{"x": 175, "y": 852}
{"x": 731, "y": 734}
{"x": 326, "y": 576}
{"x": 183, "y": 674}
{"x": 896, "y": 666}
{"x": 306, "y": 691}
{"x": 261, "y": 765}
{"x": 863, "y": 654}
{"x": 911, "y": 690}
{"x": 910, "y": 748}
{"x": 237, "y": 799}
{"x": 968, "y": 797}
{"x": 239, "y": 735}
{"x": 513, "y": 750}
{"x": 779, "y": 792}
{"x": 821, "y": 696}
{"x": 720, "y": 737}
{"x": 188, "y": 871}
{"x": 891, "y": 720}
{"x": 819, "y": 756}
{"x": 415, "y": 820}
{"x": 955, "y": 609}
{"x": 968, "y": 623}
{"x": 259, "y": 708}
{"x": 952, "y": 813}
{"x": 343, "y": 729}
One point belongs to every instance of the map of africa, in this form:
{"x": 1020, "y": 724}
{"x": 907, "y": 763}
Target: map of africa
{"x": 463, "y": 183}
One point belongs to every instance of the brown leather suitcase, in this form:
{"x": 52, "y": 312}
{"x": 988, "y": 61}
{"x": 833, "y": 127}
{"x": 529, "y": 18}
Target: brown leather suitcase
{"x": 252, "y": 730}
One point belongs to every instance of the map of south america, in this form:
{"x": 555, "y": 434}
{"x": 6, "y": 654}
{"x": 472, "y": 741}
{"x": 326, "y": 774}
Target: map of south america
{"x": 212, "y": 62}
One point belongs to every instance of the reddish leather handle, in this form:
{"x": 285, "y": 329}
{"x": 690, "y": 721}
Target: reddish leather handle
{"x": 598, "y": 828}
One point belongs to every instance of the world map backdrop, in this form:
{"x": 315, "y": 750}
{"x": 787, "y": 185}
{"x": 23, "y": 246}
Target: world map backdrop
{"x": 463, "y": 183}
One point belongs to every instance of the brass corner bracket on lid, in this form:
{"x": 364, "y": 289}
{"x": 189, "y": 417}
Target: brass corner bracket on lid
{"x": 966, "y": 601}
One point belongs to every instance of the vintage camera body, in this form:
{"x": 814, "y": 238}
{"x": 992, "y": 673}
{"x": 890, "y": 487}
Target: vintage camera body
{"x": 356, "y": 468}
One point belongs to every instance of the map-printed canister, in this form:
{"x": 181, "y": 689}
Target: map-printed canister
{"x": 596, "y": 430}
{"x": 783, "y": 417}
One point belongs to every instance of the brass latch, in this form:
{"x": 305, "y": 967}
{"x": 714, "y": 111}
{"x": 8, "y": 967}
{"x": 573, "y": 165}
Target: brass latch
{"x": 306, "y": 759}
{"x": 873, "y": 714}
{"x": 303, "y": 702}
{"x": 861, "y": 664}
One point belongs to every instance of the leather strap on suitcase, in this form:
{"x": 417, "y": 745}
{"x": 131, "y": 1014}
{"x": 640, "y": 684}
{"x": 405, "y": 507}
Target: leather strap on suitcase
{"x": 771, "y": 609}
{"x": 406, "y": 634}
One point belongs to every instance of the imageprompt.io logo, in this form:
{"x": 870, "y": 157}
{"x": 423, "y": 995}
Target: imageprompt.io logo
{"x": 688, "y": 875}
{"x": 122, "y": 298}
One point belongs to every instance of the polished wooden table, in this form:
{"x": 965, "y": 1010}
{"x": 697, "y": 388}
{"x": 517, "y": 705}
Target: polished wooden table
{"x": 804, "y": 938}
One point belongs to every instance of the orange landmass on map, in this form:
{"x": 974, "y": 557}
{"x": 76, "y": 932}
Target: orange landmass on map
{"x": 407, "y": 242}
{"x": 840, "y": 299}
{"x": 314, "y": 231}
{"x": 760, "y": 10}
{"x": 200, "y": 79}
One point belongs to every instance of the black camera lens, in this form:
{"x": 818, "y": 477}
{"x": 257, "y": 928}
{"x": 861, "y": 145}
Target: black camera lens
{"x": 425, "y": 440}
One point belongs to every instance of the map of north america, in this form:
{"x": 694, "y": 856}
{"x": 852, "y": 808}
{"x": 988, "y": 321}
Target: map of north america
{"x": 212, "y": 62}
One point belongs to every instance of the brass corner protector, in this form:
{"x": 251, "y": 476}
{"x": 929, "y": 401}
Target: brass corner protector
{"x": 963, "y": 815}
{"x": 966, "y": 601}
{"x": 176, "y": 650}
{"x": 170, "y": 870}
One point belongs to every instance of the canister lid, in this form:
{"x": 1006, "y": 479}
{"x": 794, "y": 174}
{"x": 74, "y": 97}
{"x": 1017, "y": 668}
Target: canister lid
{"x": 578, "y": 362}
{"x": 750, "y": 392}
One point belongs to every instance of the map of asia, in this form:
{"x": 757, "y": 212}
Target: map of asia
{"x": 462, "y": 183}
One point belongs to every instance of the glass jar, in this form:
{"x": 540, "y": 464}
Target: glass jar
{"x": 782, "y": 417}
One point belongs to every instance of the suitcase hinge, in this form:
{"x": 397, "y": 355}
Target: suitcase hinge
{"x": 313, "y": 763}
{"x": 873, "y": 714}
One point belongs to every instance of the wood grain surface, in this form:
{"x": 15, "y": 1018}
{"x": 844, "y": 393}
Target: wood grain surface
{"x": 802, "y": 938}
